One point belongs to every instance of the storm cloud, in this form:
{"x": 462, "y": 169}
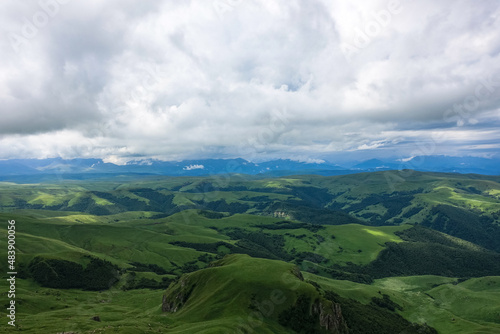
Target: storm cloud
{"x": 123, "y": 80}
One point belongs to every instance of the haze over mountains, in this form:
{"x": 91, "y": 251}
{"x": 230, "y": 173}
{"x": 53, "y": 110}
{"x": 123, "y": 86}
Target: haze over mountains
{"x": 16, "y": 169}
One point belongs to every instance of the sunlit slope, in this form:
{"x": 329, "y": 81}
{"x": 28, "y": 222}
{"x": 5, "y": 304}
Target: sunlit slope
{"x": 154, "y": 240}
{"x": 351, "y": 227}
{"x": 380, "y": 197}
{"x": 235, "y": 293}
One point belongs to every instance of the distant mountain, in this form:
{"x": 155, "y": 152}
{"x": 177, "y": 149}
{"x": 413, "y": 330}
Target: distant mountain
{"x": 455, "y": 164}
{"x": 20, "y": 167}
{"x": 375, "y": 164}
{"x": 44, "y": 169}
{"x": 433, "y": 163}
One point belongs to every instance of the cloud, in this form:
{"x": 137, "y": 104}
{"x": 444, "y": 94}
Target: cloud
{"x": 121, "y": 80}
{"x": 192, "y": 167}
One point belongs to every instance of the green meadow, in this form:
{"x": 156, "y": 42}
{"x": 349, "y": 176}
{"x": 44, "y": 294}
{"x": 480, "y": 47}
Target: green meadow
{"x": 246, "y": 254}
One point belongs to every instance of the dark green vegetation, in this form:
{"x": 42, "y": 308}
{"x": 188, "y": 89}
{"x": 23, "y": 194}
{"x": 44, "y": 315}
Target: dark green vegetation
{"x": 62, "y": 274}
{"x": 229, "y": 254}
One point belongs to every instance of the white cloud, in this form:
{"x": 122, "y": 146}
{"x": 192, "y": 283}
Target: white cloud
{"x": 192, "y": 167}
{"x": 121, "y": 80}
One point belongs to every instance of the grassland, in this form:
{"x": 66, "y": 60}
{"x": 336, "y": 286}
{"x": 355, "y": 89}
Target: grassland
{"x": 443, "y": 303}
{"x": 322, "y": 225}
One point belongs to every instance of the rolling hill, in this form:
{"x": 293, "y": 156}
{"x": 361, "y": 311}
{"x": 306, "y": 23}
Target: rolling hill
{"x": 198, "y": 254}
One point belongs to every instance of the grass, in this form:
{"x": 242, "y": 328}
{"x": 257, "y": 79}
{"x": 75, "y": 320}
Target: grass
{"x": 43, "y": 310}
{"x": 222, "y": 295}
{"x": 452, "y": 196}
{"x": 220, "y": 301}
{"x": 354, "y": 243}
{"x": 468, "y": 307}
{"x": 225, "y": 292}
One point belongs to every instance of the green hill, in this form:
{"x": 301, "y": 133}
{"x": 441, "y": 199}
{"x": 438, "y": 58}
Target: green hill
{"x": 242, "y": 294}
{"x": 222, "y": 244}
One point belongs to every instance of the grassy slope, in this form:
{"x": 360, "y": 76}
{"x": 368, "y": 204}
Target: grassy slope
{"x": 220, "y": 302}
{"x": 222, "y": 295}
{"x": 146, "y": 241}
{"x": 43, "y": 310}
{"x": 468, "y": 307}
{"x": 129, "y": 236}
{"x": 221, "y": 298}
{"x": 464, "y": 191}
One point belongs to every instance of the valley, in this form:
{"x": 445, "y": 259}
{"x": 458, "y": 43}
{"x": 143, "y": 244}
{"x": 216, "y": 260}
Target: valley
{"x": 247, "y": 254}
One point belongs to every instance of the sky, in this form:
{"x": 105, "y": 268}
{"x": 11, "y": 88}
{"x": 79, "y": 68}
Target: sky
{"x": 311, "y": 80}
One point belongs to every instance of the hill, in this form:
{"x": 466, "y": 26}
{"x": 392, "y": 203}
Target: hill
{"x": 105, "y": 248}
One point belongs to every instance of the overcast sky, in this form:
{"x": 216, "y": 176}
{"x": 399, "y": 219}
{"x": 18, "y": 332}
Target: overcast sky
{"x": 257, "y": 79}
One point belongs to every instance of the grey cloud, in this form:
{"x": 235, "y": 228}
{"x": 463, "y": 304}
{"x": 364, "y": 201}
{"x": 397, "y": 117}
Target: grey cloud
{"x": 171, "y": 79}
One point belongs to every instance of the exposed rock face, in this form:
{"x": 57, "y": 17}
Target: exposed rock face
{"x": 172, "y": 301}
{"x": 168, "y": 305}
{"x": 331, "y": 317}
{"x": 283, "y": 214}
{"x": 297, "y": 273}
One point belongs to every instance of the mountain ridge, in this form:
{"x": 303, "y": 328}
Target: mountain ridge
{"x": 15, "y": 169}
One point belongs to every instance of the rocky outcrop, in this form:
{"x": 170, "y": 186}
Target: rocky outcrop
{"x": 330, "y": 317}
{"x": 177, "y": 297}
{"x": 283, "y": 214}
{"x": 297, "y": 273}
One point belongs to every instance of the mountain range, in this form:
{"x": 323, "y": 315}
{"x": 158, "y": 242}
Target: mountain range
{"x": 53, "y": 168}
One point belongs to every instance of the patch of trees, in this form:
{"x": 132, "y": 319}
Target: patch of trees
{"x": 412, "y": 211}
{"x": 337, "y": 272}
{"x": 262, "y": 242}
{"x": 394, "y": 203}
{"x": 311, "y": 257}
{"x": 88, "y": 205}
{"x": 319, "y": 238}
{"x": 189, "y": 267}
{"x": 248, "y": 248}
{"x": 287, "y": 225}
{"x": 317, "y": 197}
{"x": 157, "y": 200}
{"x": 259, "y": 245}
{"x": 125, "y": 203}
{"x": 386, "y": 302}
{"x": 145, "y": 283}
{"x": 299, "y": 317}
{"x": 373, "y": 319}
{"x": 203, "y": 247}
{"x": 256, "y": 199}
{"x": 425, "y": 258}
{"x": 180, "y": 186}
{"x": 282, "y": 191}
{"x": 142, "y": 267}
{"x": 211, "y": 214}
{"x": 206, "y": 258}
{"x": 222, "y": 206}
{"x": 313, "y": 215}
{"x": 466, "y": 225}
{"x": 424, "y": 252}
{"x": 420, "y": 233}
{"x": 205, "y": 187}
{"x": 62, "y": 274}
{"x": 469, "y": 189}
